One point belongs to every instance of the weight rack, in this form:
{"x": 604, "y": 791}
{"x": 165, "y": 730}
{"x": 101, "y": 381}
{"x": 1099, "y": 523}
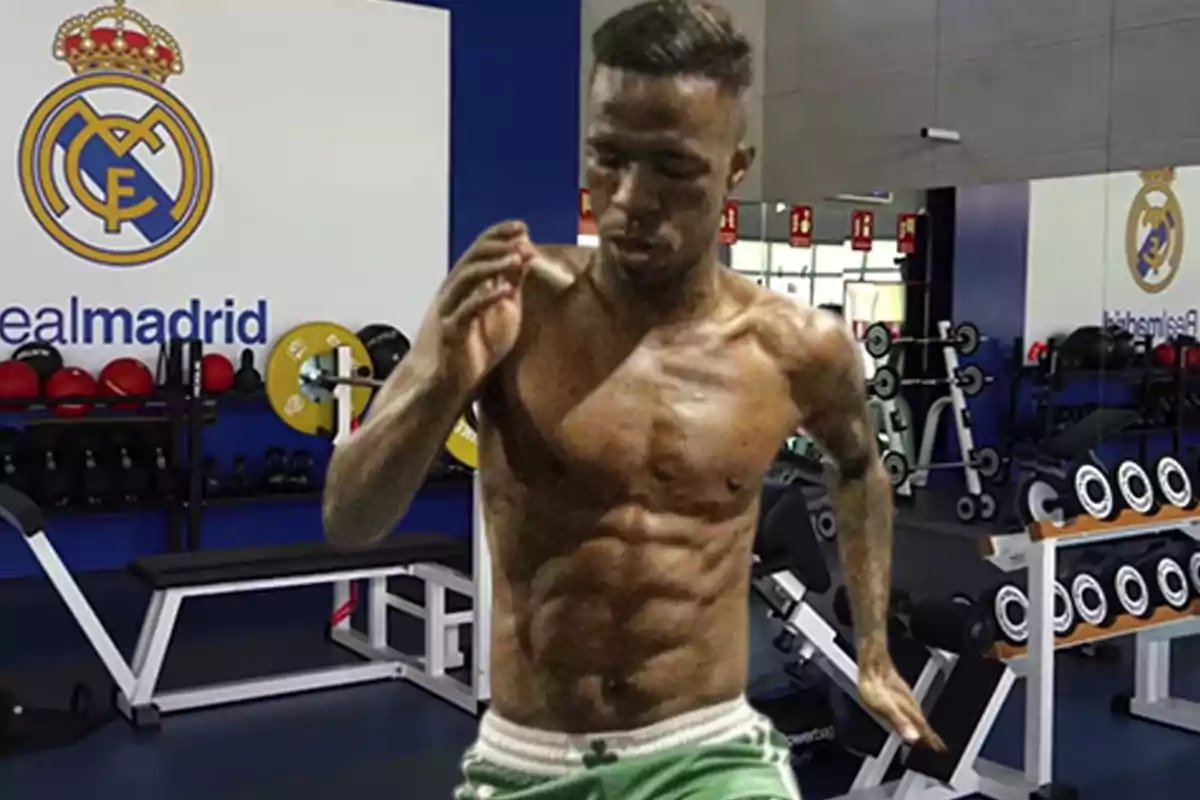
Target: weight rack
{"x": 1036, "y": 550}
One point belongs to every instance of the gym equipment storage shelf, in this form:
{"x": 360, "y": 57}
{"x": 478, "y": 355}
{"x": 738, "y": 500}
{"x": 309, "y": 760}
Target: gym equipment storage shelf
{"x": 1127, "y": 523}
{"x": 1036, "y": 549}
{"x": 1087, "y": 634}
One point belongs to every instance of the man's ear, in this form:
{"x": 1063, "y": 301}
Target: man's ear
{"x": 740, "y": 164}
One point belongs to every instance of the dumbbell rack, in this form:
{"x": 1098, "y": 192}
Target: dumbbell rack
{"x": 1036, "y": 549}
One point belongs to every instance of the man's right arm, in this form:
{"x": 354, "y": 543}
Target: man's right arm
{"x": 374, "y": 475}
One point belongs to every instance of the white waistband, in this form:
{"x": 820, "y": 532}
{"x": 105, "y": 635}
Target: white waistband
{"x": 539, "y": 752}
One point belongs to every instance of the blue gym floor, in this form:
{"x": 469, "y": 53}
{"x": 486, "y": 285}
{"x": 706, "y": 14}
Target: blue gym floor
{"x": 391, "y": 740}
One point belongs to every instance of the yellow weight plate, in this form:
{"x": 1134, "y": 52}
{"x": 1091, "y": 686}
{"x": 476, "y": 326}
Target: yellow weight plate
{"x": 309, "y": 409}
{"x": 463, "y": 442}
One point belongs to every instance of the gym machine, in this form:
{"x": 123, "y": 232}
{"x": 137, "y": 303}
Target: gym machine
{"x": 789, "y": 570}
{"x": 961, "y": 382}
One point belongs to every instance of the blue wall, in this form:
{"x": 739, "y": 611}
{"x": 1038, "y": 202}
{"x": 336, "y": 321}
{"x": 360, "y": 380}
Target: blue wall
{"x": 514, "y": 154}
{"x": 991, "y": 234}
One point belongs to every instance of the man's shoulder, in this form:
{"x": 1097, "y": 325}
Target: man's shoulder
{"x": 803, "y": 336}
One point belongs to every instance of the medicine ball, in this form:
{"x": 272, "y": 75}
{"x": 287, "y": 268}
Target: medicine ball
{"x": 126, "y": 377}
{"x": 387, "y": 347}
{"x": 1164, "y": 354}
{"x": 19, "y": 381}
{"x": 44, "y": 358}
{"x": 70, "y": 382}
{"x": 216, "y": 373}
{"x": 1086, "y": 348}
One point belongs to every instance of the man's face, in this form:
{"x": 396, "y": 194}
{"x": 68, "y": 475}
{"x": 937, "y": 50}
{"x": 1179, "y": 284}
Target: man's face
{"x": 662, "y": 156}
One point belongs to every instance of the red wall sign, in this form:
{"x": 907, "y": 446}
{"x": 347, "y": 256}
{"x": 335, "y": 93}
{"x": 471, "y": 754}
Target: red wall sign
{"x": 862, "y": 230}
{"x": 801, "y": 227}
{"x": 906, "y": 233}
{"x": 729, "y": 224}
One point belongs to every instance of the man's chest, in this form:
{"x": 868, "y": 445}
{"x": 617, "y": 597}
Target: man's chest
{"x": 663, "y": 423}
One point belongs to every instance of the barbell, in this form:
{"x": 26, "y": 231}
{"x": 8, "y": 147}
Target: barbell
{"x": 301, "y": 374}
{"x": 964, "y": 338}
{"x": 886, "y": 382}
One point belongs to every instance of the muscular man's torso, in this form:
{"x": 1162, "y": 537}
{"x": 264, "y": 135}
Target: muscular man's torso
{"x": 621, "y": 474}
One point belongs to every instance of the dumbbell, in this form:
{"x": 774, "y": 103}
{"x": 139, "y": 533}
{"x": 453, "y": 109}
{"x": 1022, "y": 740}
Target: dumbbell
{"x": 956, "y": 624}
{"x": 94, "y": 482}
{"x": 238, "y": 482}
{"x": 1125, "y": 589}
{"x": 211, "y": 484}
{"x": 300, "y": 471}
{"x": 133, "y": 480}
{"x": 878, "y": 339}
{"x": 275, "y": 470}
{"x": 1008, "y": 604}
{"x": 900, "y": 610}
{"x": 53, "y": 484}
{"x": 163, "y": 477}
{"x": 1087, "y": 490}
{"x": 972, "y": 507}
{"x": 1135, "y": 490}
{"x": 1164, "y": 569}
{"x": 886, "y": 382}
{"x": 1173, "y": 483}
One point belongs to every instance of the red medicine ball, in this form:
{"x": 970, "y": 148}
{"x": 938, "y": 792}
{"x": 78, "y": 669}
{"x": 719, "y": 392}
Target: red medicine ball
{"x": 126, "y": 377}
{"x": 70, "y": 382}
{"x": 19, "y": 381}
{"x": 216, "y": 373}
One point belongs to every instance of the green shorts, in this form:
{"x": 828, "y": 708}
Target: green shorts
{"x": 727, "y": 752}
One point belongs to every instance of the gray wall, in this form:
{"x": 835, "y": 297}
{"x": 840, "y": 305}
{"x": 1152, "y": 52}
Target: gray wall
{"x": 1036, "y": 87}
{"x": 751, "y": 17}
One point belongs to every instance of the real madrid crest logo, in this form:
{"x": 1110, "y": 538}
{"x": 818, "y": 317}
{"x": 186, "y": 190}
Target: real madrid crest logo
{"x": 113, "y": 166}
{"x": 1154, "y": 232}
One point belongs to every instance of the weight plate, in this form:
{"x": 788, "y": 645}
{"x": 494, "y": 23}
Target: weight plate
{"x": 825, "y": 524}
{"x": 1131, "y": 590}
{"x": 1088, "y": 596}
{"x": 987, "y": 506}
{"x": 878, "y": 340}
{"x": 966, "y": 338}
{"x": 303, "y": 348}
{"x": 967, "y": 508}
{"x": 1094, "y": 492}
{"x": 1174, "y": 483}
{"x": 1135, "y": 487}
{"x": 971, "y": 380}
{"x": 1172, "y": 583}
{"x": 987, "y": 462}
{"x": 1194, "y": 571}
{"x": 886, "y": 383}
{"x": 1064, "y": 610}
{"x": 1011, "y": 610}
{"x": 387, "y": 346}
{"x": 896, "y": 466}
{"x": 1040, "y": 502}
{"x": 463, "y": 442}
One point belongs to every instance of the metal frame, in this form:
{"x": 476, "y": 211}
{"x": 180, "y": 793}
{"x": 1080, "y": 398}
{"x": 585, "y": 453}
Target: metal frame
{"x": 1151, "y": 700}
{"x": 958, "y": 401}
{"x": 974, "y": 775}
{"x": 136, "y": 679}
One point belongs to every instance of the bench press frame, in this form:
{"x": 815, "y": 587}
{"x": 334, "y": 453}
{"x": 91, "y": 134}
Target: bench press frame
{"x": 138, "y": 697}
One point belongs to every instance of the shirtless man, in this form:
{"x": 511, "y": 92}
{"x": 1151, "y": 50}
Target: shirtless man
{"x": 630, "y": 400}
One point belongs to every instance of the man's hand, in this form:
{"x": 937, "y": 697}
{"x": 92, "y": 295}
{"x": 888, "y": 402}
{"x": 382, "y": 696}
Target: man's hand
{"x": 885, "y": 693}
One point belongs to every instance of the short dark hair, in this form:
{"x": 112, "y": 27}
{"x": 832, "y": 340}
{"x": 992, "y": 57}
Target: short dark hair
{"x": 676, "y": 37}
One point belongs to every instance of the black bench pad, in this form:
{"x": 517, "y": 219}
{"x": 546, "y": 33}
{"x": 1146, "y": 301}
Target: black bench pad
{"x": 175, "y": 570}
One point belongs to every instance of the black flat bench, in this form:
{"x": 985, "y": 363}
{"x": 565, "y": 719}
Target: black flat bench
{"x": 179, "y": 570}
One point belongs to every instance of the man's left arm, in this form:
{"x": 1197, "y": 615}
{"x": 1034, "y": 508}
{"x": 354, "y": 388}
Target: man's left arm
{"x": 829, "y": 388}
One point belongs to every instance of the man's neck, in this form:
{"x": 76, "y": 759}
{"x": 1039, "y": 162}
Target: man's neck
{"x": 693, "y": 295}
